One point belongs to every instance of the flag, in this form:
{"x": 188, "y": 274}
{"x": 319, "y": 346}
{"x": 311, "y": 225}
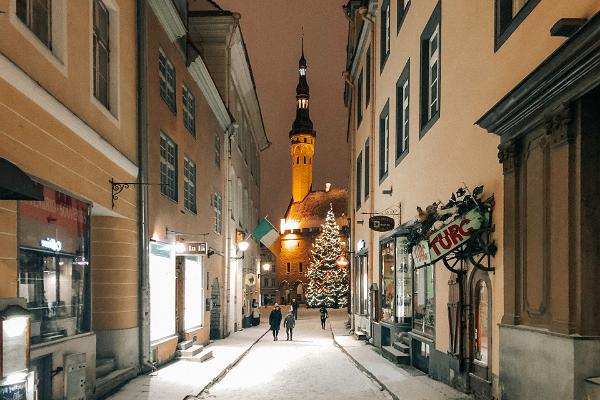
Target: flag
{"x": 265, "y": 232}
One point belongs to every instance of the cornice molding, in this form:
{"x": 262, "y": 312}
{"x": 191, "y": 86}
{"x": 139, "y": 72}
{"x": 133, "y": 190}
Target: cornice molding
{"x": 22, "y": 82}
{"x": 201, "y": 76}
{"x": 567, "y": 74}
{"x": 169, "y": 18}
{"x": 363, "y": 40}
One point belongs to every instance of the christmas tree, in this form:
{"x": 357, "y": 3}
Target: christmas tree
{"x": 327, "y": 282}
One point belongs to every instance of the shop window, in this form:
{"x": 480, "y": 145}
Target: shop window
{"x": 218, "y": 206}
{"x": 168, "y": 167}
{"x": 384, "y": 142}
{"x": 37, "y": 16}
{"x": 385, "y": 33}
{"x": 166, "y": 72}
{"x": 189, "y": 184}
{"x": 358, "y": 189}
{"x": 367, "y": 168}
{"x": 424, "y": 300}
{"x": 189, "y": 111}
{"x": 162, "y": 291}
{"x": 194, "y": 293}
{"x": 359, "y": 95}
{"x": 101, "y": 53}
{"x": 402, "y": 113}
{"x": 401, "y": 10}
{"x": 388, "y": 283}
{"x": 362, "y": 285}
{"x": 403, "y": 281}
{"x": 53, "y": 271}
{"x": 509, "y": 15}
{"x": 430, "y": 71}
{"x": 481, "y": 323}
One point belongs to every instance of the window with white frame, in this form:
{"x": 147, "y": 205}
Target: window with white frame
{"x": 359, "y": 100}
{"x": 101, "y": 43}
{"x": 168, "y": 167}
{"x": 218, "y": 206}
{"x": 367, "y": 168}
{"x": 368, "y": 78}
{"x": 384, "y": 142}
{"x": 402, "y": 8}
{"x": 166, "y": 72}
{"x": 37, "y": 16}
{"x": 430, "y": 71}
{"x": 189, "y": 110}
{"x": 189, "y": 184}
{"x": 402, "y": 113}
{"x": 385, "y": 32}
{"x": 218, "y": 149}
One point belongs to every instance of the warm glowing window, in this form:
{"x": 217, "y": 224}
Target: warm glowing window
{"x": 481, "y": 323}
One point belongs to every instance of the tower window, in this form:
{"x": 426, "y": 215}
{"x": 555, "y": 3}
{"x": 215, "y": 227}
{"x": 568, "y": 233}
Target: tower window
{"x": 297, "y": 160}
{"x": 300, "y": 267}
{"x": 288, "y": 268}
{"x": 304, "y": 159}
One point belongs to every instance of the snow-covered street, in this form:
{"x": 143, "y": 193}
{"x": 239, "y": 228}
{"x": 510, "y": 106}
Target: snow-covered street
{"x": 309, "y": 367}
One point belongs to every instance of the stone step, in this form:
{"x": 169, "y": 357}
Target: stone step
{"x": 360, "y": 335}
{"x": 185, "y": 345}
{"x": 402, "y": 347}
{"x": 200, "y": 357}
{"x": 104, "y": 366}
{"x": 112, "y": 381}
{"x": 395, "y": 356}
{"x": 189, "y": 352}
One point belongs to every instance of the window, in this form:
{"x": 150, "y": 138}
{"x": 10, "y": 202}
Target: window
{"x": 402, "y": 113}
{"x": 189, "y": 111}
{"x": 218, "y": 206}
{"x": 166, "y": 72}
{"x": 402, "y": 8}
{"x": 300, "y": 267}
{"x": 101, "y": 53}
{"x": 168, "y": 167}
{"x": 509, "y": 15}
{"x": 385, "y": 32}
{"x": 424, "y": 300}
{"x": 384, "y": 142}
{"x": 358, "y": 180}
{"x": 367, "y": 167}
{"x": 289, "y": 268}
{"x": 189, "y": 184}
{"x": 430, "y": 71}
{"x": 388, "y": 284}
{"x": 362, "y": 289}
{"x": 359, "y": 94}
{"x": 368, "y": 78}
{"x": 37, "y": 16}
{"x": 218, "y": 149}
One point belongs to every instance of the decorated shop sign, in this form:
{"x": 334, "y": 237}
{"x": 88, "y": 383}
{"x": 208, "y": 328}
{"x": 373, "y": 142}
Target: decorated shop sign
{"x": 191, "y": 248}
{"x": 451, "y": 236}
{"x": 381, "y": 223}
{"x": 420, "y": 253}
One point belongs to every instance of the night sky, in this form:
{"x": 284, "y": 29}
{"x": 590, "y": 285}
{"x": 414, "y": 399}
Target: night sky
{"x": 272, "y": 31}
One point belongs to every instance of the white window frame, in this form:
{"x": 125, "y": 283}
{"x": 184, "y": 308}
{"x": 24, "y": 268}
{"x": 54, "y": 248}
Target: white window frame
{"x": 387, "y": 29}
{"x": 433, "y": 62}
{"x": 167, "y": 81}
{"x": 164, "y": 189}
{"x": 405, "y": 114}
{"x": 386, "y": 153}
{"x": 189, "y": 110}
{"x": 218, "y": 206}
{"x": 189, "y": 184}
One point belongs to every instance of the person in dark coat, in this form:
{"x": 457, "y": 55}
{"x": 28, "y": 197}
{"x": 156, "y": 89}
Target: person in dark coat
{"x": 275, "y": 320}
{"x": 288, "y": 323}
{"x": 324, "y": 315}
{"x": 295, "y": 308}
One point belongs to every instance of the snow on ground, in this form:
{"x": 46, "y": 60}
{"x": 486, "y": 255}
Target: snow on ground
{"x": 309, "y": 367}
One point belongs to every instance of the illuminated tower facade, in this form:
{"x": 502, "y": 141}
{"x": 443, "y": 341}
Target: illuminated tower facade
{"x": 302, "y": 138}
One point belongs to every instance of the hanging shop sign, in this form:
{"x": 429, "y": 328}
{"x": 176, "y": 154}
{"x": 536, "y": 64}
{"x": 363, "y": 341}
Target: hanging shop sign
{"x": 381, "y": 223}
{"x": 451, "y": 236}
{"x": 191, "y": 249}
{"x": 51, "y": 244}
{"x": 250, "y": 279}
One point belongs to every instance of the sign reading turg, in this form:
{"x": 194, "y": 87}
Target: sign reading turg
{"x": 381, "y": 223}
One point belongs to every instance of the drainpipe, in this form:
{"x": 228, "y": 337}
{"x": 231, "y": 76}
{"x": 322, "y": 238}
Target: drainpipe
{"x": 143, "y": 242}
{"x": 229, "y": 132}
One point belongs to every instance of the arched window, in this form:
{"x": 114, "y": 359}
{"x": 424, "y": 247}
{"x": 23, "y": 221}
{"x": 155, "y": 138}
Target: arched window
{"x": 297, "y": 160}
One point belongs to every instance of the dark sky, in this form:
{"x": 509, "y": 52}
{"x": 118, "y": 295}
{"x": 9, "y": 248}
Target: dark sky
{"x": 272, "y": 31}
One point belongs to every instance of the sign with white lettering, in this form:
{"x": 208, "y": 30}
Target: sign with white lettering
{"x": 457, "y": 232}
{"x": 381, "y": 223}
{"x": 51, "y": 244}
{"x": 191, "y": 248}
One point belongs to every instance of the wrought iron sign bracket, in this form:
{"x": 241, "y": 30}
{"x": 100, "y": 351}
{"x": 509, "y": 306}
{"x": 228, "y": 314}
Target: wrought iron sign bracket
{"x": 118, "y": 187}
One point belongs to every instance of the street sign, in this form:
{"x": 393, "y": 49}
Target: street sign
{"x": 191, "y": 249}
{"x": 381, "y": 223}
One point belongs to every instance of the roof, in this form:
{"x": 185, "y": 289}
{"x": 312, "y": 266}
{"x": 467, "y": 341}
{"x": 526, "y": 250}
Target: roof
{"x": 311, "y": 211}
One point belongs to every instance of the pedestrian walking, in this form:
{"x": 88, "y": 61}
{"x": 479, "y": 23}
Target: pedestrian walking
{"x": 295, "y": 308}
{"x": 289, "y": 323}
{"x": 275, "y": 321}
{"x": 255, "y": 313}
{"x": 324, "y": 315}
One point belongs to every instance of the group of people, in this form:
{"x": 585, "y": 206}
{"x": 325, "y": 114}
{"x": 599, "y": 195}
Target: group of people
{"x": 290, "y": 320}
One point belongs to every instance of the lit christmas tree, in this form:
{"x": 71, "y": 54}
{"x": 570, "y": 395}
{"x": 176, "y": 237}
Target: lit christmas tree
{"x": 327, "y": 282}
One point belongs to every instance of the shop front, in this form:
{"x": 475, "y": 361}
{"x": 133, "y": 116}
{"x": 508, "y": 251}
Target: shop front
{"x": 54, "y": 279}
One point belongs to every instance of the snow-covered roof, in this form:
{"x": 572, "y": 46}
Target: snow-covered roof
{"x": 311, "y": 211}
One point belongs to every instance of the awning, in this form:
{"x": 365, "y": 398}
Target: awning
{"x": 16, "y": 184}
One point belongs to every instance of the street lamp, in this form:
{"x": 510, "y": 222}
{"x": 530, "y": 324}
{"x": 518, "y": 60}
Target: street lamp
{"x": 243, "y": 245}
{"x": 266, "y": 267}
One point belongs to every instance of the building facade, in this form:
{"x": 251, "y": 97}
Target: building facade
{"x": 69, "y": 123}
{"x": 420, "y": 75}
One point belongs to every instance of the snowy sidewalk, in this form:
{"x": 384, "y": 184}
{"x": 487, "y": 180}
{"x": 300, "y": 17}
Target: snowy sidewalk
{"x": 402, "y": 382}
{"x": 184, "y": 378}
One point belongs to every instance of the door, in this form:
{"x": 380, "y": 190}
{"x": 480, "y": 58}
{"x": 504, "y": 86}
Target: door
{"x": 180, "y": 297}
{"x": 480, "y": 338}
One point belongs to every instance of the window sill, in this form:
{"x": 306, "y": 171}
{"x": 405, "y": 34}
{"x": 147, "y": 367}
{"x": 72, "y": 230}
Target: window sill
{"x": 401, "y": 157}
{"x": 105, "y": 111}
{"x": 425, "y": 128}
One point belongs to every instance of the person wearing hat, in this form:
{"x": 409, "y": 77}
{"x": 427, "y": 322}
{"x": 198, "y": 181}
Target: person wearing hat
{"x": 275, "y": 321}
{"x": 288, "y": 323}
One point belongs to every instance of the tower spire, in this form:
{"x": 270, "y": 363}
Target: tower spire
{"x": 302, "y": 123}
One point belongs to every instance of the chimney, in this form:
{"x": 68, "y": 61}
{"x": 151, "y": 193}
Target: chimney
{"x": 327, "y": 187}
